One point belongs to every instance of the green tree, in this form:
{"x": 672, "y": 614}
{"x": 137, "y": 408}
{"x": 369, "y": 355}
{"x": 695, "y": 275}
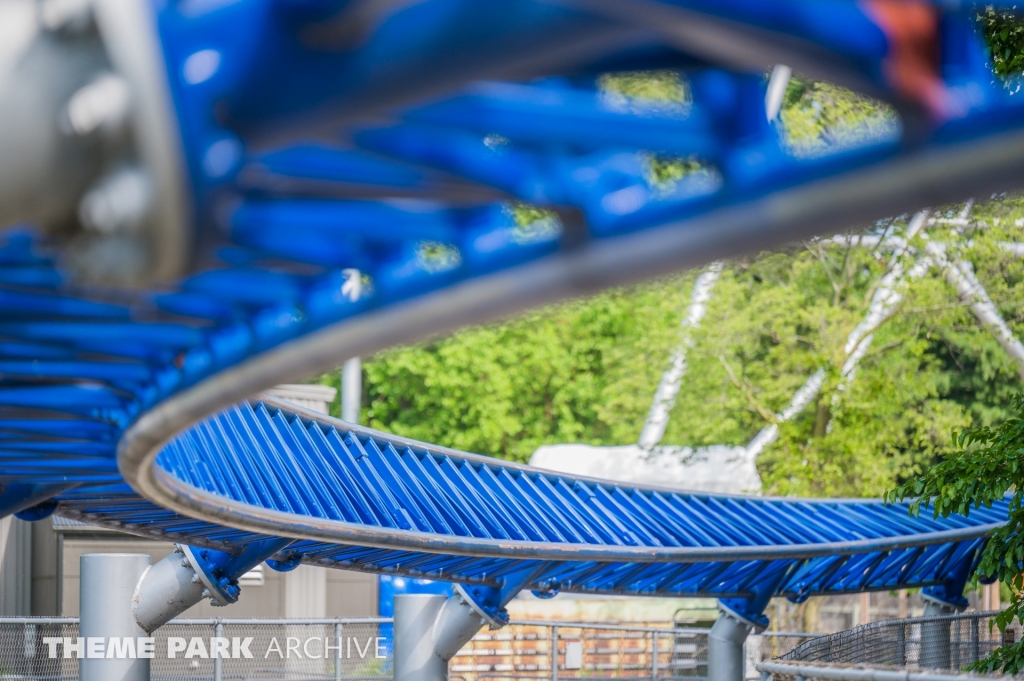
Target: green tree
{"x": 585, "y": 371}
{"x": 1003, "y": 31}
{"x": 576, "y": 372}
{"x": 987, "y": 464}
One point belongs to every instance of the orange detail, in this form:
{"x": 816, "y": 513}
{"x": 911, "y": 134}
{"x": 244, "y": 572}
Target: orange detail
{"x": 911, "y": 66}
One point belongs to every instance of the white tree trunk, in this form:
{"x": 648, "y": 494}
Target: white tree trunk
{"x": 884, "y": 301}
{"x": 801, "y": 398}
{"x": 671, "y": 380}
{"x": 960, "y": 276}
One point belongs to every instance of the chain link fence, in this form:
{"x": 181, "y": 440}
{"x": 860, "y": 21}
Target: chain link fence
{"x": 23, "y": 655}
{"x": 577, "y": 651}
{"x": 810, "y": 671}
{"x": 770, "y": 645}
{"x": 948, "y": 642}
{"x": 361, "y": 650}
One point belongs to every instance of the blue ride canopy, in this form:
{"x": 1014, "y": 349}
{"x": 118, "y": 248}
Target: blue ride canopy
{"x": 361, "y": 499}
{"x": 350, "y": 176}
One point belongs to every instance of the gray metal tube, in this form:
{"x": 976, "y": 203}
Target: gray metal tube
{"x": 456, "y": 624}
{"x": 218, "y": 662}
{"x": 554, "y": 653}
{"x": 429, "y": 630}
{"x": 108, "y": 583}
{"x": 44, "y": 172}
{"x": 338, "y": 630}
{"x": 654, "y": 655}
{"x": 167, "y": 589}
{"x": 725, "y": 648}
{"x": 415, "y": 660}
{"x": 935, "y": 642}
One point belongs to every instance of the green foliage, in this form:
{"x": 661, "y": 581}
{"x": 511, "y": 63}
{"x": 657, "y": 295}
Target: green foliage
{"x": 987, "y": 464}
{"x": 527, "y": 214}
{"x": 776, "y": 318}
{"x": 1004, "y": 32}
{"x": 820, "y": 117}
{"x": 585, "y": 371}
{"x": 984, "y": 459}
{"x": 577, "y": 372}
{"x": 649, "y": 86}
{"x": 665, "y": 171}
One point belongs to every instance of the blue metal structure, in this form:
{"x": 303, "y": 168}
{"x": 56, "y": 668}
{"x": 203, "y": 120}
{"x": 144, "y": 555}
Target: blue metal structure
{"x": 350, "y": 181}
{"x": 361, "y": 499}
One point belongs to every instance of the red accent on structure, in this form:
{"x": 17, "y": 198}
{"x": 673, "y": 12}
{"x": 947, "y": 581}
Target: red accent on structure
{"x": 911, "y": 65}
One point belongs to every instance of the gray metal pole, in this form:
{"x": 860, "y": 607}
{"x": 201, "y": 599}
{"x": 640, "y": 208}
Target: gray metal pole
{"x": 338, "y": 630}
{"x": 351, "y": 389}
{"x": 108, "y": 583}
{"x": 935, "y": 634}
{"x": 415, "y": 615}
{"x": 218, "y": 661}
{"x": 654, "y": 655}
{"x": 429, "y": 630}
{"x": 554, "y": 653}
{"x": 725, "y": 648}
{"x": 975, "y": 647}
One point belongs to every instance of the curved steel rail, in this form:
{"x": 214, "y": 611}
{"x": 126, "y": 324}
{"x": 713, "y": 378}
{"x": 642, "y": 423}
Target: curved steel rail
{"x": 362, "y": 499}
{"x": 278, "y": 469}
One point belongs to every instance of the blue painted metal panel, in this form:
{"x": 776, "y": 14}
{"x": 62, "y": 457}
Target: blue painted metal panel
{"x": 404, "y": 508}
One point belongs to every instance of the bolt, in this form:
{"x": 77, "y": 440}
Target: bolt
{"x": 117, "y": 201}
{"x": 102, "y": 103}
{"x": 205, "y": 593}
{"x": 185, "y": 563}
{"x": 195, "y": 579}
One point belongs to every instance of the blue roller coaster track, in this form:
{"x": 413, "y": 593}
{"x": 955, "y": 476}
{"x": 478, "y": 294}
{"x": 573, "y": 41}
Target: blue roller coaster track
{"x": 311, "y": 180}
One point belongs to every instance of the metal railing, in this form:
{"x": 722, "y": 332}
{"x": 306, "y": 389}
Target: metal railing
{"x": 579, "y": 650}
{"x": 948, "y": 642}
{"x": 806, "y": 671}
{"x": 522, "y": 651}
{"x": 770, "y": 645}
{"x": 361, "y": 650}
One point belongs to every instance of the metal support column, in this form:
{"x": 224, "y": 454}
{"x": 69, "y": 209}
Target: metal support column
{"x": 935, "y": 639}
{"x": 737, "y": 618}
{"x": 725, "y": 646}
{"x": 338, "y": 631}
{"x": 415, "y": 660}
{"x": 975, "y": 641}
{"x": 554, "y": 653}
{"x": 108, "y": 582}
{"x": 654, "y": 655}
{"x": 218, "y": 661}
{"x": 429, "y": 630}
